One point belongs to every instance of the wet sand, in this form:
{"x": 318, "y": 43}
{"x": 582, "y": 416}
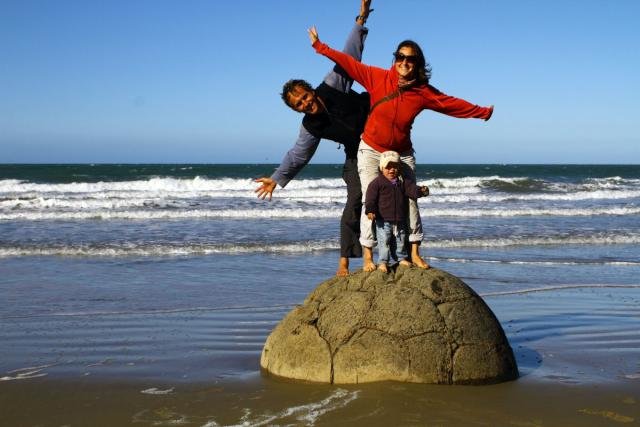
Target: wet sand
{"x": 578, "y": 351}
{"x": 262, "y": 401}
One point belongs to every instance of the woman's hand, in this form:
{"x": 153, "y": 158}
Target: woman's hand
{"x": 313, "y": 35}
{"x": 371, "y": 216}
{"x": 490, "y": 113}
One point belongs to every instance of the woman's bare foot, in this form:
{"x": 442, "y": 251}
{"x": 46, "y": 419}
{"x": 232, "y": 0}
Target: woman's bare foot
{"x": 405, "y": 263}
{"x": 343, "y": 267}
{"x": 419, "y": 262}
{"x": 415, "y": 256}
{"x": 367, "y": 259}
{"x": 383, "y": 267}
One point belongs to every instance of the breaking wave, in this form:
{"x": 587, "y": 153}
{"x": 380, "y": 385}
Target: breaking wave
{"x": 179, "y": 249}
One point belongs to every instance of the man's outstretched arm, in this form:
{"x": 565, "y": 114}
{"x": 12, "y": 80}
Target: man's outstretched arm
{"x": 337, "y": 78}
{"x": 292, "y": 163}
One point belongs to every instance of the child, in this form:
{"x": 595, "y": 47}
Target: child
{"x": 386, "y": 202}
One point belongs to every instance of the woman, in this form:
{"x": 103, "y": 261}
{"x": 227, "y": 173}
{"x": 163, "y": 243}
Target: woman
{"x": 398, "y": 95}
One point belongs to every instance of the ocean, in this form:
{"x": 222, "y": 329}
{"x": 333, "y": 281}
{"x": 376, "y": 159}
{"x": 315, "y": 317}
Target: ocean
{"x": 151, "y": 289}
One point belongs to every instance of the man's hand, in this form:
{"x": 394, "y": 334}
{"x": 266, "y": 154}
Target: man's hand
{"x": 313, "y": 34}
{"x": 371, "y": 216}
{"x": 365, "y": 10}
{"x": 424, "y": 190}
{"x": 266, "y": 189}
{"x": 365, "y": 7}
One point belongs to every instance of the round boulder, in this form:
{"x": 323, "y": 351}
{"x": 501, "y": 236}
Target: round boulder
{"x": 411, "y": 325}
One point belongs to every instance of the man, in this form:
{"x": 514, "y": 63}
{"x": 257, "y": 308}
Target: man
{"x": 331, "y": 111}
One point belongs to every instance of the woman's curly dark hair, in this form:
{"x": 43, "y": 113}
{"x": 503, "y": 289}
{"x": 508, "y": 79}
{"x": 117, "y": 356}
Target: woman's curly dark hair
{"x": 423, "y": 68}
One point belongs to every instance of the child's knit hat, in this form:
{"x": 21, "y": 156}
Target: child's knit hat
{"x": 388, "y": 157}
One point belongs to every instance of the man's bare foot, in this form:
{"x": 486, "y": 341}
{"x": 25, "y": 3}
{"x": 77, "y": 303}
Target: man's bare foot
{"x": 343, "y": 267}
{"x": 367, "y": 259}
{"x": 383, "y": 267}
{"x": 405, "y": 263}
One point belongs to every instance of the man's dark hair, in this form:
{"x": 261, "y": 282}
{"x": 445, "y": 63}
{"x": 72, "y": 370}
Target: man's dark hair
{"x": 290, "y": 86}
{"x": 422, "y": 66}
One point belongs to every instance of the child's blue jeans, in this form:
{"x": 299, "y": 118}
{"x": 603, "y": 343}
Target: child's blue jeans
{"x": 391, "y": 241}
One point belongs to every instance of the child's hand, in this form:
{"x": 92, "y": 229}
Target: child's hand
{"x": 371, "y": 216}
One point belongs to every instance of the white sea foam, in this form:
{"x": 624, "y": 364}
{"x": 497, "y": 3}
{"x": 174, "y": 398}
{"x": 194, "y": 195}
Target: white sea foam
{"x": 307, "y": 414}
{"x": 199, "y": 184}
{"x": 177, "y": 250}
{"x": 167, "y": 198}
{"x": 470, "y": 181}
{"x": 157, "y": 391}
{"x": 120, "y": 200}
{"x": 599, "y": 239}
{"x": 558, "y": 288}
{"x": 154, "y": 312}
{"x": 299, "y": 212}
{"x": 555, "y": 197}
{"x": 535, "y": 262}
{"x": 503, "y": 212}
{"x": 25, "y": 373}
{"x": 84, "y": 204}
{"x": 174, "y": 214}
{"x": 128, "y": 250}
{"x": 196, "y": 184}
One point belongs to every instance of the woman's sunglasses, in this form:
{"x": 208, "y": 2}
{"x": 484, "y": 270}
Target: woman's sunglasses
{"x": 412, "y": 59}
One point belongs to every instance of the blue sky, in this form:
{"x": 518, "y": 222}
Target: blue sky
{"x": 199, "y": 81}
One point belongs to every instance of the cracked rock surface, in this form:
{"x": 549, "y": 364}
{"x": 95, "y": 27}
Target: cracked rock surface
{"x": 410, "y": 325}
